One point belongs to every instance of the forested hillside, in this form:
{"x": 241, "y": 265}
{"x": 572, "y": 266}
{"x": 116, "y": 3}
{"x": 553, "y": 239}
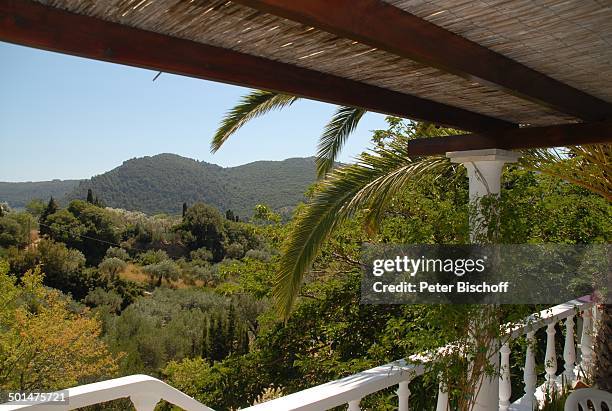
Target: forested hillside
{"x": 19, "y": 194}
{"x": 162, "y": 183}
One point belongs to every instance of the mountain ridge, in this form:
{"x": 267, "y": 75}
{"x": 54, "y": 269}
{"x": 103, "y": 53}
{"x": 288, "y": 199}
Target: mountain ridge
{"x": 161, "y": 183}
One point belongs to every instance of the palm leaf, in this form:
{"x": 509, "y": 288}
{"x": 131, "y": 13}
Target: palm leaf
{"x": 254, "y": 104}
{"x": 589, "y": 166}
{"x": 369, "y": 184}
{"x": 336, "y": 132}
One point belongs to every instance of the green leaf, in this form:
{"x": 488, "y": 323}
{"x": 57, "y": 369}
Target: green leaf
{"x": 254, "y": 104}
{"x": 337, "y": 131}
{"x": 369, "y": 184}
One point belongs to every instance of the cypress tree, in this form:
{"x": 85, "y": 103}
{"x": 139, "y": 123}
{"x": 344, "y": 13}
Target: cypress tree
{"x": 205, "y": 335}
{"x": 90, "y": 197}
{"x": 217, "y": 339}
{"x": 50, "y": 209}
{"x": 243, "y": 347}
{"x": 184, "y": 209}
{"x": 229, "y": 215}
{"x": 231, "y": 328}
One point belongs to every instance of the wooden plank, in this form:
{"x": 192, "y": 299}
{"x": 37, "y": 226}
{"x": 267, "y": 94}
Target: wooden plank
{"x": 32, "y": 24}
{"x": 527, "y": 137}
{"x": 381, "y": 25}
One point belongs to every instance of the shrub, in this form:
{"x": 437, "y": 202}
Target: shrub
{"x": 117, "y": 252}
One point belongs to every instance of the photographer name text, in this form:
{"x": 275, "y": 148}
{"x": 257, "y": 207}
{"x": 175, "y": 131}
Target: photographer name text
{"x": 426, "y": 287}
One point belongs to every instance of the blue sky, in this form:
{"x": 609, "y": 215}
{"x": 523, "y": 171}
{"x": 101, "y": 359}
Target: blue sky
{"x": 66, "y": 117}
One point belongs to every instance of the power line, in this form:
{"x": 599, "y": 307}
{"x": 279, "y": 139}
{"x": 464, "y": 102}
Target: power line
{"x": 90, "y": 238}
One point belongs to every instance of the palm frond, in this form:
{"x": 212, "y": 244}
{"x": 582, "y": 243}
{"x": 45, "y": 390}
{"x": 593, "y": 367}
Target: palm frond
{"x": 369, "y": 184}
{"x": 589, "y": 166}
{"x": 254, "y": 104}
{"x": 336, "y": 132}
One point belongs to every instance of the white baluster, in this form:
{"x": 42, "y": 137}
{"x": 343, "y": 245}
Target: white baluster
{"x": 529, "y": 374}
{"x": 596, "y": 320}
{"x": 550, "y": 361}
{"x": 354, "y": 405}
{"x": 403, "y": 395}
{"x": 505, "y": 388}
{"x": 144, "y": 402}
{"x": 442, "y": 404}
{"x": 586, "y": 343}
{"x": 569, "y": 351}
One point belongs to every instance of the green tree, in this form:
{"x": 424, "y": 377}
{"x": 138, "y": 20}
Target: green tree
{"x": 64, "y": 267}
{"x": 204, "y": 227}
{"x": 99, "y": 231}
{"x": 184, "y": 209}
{"x": 42, "y": 335}
{"x": 117, "y": 252}
{"x": 201, "y": 254}
{"x": 90, "y": 197}
{"x": 110, "y": 267}
{"x": 64, "y": 227}
{"x": 265, "y": 213}
{"x": 165, "y": 270}
{"x": 35, "y": 207}
{"x": 14, "y": 229}
{"x": 10, "y": 233}
{"x": 235, "y": 250}
{"x": 153, "y": 257}
{"x": 110, "y": 301}
{"x": 51, "y": 208}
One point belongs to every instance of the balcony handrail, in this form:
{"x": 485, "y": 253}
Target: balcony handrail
{"x": 343, "y": 391}
{"x": 141, "y": 389}
{"x": 552, "y": 314}
{"x": 145, "y": 391}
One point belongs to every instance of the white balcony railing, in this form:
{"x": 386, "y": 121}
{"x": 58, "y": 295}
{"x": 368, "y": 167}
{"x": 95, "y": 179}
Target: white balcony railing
{"x": 145, "y": 391}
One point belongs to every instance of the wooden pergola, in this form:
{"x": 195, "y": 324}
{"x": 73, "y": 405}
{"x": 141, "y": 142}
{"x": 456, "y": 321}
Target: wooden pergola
{"x": 513, "y": 74}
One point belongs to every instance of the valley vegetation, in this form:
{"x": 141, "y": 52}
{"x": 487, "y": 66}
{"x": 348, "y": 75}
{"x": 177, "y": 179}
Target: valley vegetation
{"x": 190, "y": 298}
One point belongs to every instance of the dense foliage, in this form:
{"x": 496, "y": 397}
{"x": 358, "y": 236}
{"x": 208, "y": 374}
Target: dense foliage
{"x": 46, "y": 342}
{"x": 187, "y": 298}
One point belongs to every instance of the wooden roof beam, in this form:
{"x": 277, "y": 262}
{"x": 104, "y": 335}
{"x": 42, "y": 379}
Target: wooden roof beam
{"x": 526, "y": 137}
{"x": 35, "y": 25}
{"x": 386, "y": 27}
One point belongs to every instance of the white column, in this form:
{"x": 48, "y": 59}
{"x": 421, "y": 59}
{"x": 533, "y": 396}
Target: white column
{"x": 484, "y": 169}
{"x": 529, "y": 374}
{"x": 403, "y": 396}
{"x": 145, "y": 401}
{"x": 550, "y": 359}
{"x": 354, "y": 405}
{"x": 586, "y": 343}
{"x": 528, "y": 401}
{"x": 569, "y": 352}
{"x": 505, "y": 388}
{"x": 442, "y": 404}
